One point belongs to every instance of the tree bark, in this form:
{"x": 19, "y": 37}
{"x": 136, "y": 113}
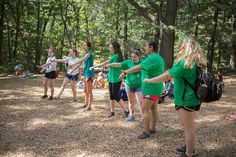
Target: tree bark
{"x": 17, "y": 28}
{"x": 165, "y": 22}
{"x": 125, "y": 26}
{"x": 38, "y": 30}
{"x": 211, "y": 43}
{"x": 233, "y": 40}
{"x": 2, "y": 8}
{"x": 168, "y": 36}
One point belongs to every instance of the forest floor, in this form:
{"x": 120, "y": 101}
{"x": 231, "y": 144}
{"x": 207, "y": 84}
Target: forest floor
{"x": 30, "y": 126}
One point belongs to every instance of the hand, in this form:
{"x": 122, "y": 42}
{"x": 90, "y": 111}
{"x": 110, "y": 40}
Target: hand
{"x": 146, "y": 81}
{"x": 39, "y": 67}
{"x": 91, "y": 68}
{"x": 122, "y": 75}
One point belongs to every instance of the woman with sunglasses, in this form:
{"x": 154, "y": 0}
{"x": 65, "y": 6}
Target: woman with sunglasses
{"x": 132, "y": 82}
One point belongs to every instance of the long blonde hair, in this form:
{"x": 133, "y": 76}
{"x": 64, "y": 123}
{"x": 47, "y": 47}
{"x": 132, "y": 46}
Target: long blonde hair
{"x": 190, "y": 51}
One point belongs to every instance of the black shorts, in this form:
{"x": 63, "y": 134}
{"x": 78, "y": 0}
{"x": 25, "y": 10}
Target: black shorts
{"x": 72, "y": 77}
{"x": 114, "y": 91}
{"x": 188, "y": 108}
{"x": 51, "y": 75}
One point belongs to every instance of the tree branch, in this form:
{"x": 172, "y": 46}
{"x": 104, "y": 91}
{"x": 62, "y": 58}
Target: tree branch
{"x": 154, "y": 6}
{"x": 142, "y": 11}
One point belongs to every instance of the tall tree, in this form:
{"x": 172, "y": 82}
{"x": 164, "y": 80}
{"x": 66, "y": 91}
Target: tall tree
{"x": 2, "y": 10}
{"x": 233, "y": 42}
{"x": 165, "y": 22}
{"x": 211, "y": 44}
{"x": 17, "y": 28}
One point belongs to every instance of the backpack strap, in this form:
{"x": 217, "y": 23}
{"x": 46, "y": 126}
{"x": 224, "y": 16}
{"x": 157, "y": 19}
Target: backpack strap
{"x": 186, "y": 82}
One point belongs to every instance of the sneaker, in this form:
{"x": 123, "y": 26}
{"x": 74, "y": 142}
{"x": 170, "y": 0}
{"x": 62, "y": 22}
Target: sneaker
{"x": 144, "y": 135}
{"x": 87, "y": 109}
{"x": 56, "y": 98}
{"x": 184, "y": 155}
{"x": 111, "y": 114}
{"x": 152, "y": 132}
{"x": 72, "y": 100}
{"x": 44, "y": 97}
{"x": 182, "y": 150}
{"x": 84, "y": 106}
{"x": 130, "y": 118}
{"x": 126, "y": 113}
{"x": 50, "y": 98}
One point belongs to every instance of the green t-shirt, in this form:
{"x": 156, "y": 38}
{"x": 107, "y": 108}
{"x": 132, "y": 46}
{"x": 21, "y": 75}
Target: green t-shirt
{"x": 152, "y": 66}
{"x": 178, "y": 71}
{"x": 134, "y": 79}
{"x": 87, "y": 64}
{"x": 114, "y": 72}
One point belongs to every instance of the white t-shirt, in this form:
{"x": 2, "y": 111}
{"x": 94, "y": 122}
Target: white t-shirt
{"x": 70, "y": 61}
{"x": 52, "y": 66}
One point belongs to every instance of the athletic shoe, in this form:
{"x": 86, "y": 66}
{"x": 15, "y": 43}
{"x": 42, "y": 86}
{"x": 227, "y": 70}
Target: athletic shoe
{"x": 184, "y": 155}
{"x": 144, "y": 135}
{"x": 111, "y": 114}
{"x": 56, "y": 98}
{"x": 182, "y": 150}
{"x": 130, "y": 118}
{"x": 87, "y": 109}
{"x": 126, "y": 113}
{"x": 44, "y": 97}
{"x": 50, "y": 98}
{"x": 152, "y": 132}
{"x": 72, "y": 100}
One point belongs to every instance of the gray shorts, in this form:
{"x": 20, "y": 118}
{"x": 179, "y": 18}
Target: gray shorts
{"x": 129, "y": 89}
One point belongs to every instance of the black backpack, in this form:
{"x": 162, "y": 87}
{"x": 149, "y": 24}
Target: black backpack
{"x": 207, "y": 88}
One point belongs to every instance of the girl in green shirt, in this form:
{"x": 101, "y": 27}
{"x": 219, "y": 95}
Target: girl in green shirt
{"x": 113, "y": 78}
{"x": 88, "y": 59}
{"x": 132, "y": 82}
{"x": 189, "y": 55}
{"x": 151, "y": 66}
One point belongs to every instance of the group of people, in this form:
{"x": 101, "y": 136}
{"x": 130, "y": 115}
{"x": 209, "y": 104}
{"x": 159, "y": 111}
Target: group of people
{"x": 143, "y": 83}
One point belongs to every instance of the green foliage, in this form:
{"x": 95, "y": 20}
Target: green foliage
{"x": 68, "y": 23}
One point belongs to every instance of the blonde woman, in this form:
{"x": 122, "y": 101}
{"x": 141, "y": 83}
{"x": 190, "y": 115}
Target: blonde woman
{"x": 186, "y": 104}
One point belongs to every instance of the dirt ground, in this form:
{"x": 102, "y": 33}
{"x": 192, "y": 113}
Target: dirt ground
{"x": 30, "y": 126}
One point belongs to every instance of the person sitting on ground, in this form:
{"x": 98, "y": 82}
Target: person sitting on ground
{"x": 168, "y": 91}
{"x": 99, "y": 81}
{"x": 18, "y": 69}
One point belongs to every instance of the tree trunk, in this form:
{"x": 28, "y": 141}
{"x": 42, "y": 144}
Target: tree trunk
{"x": 125, "y": 26}
{"x": 17, "y": 28}
{"x": 233, "y": 40}
{"x": 9, "y": 41}
{"x": 1, "y": 29}
{"x": 37, "y": 46}
{"x": 211, "y": 44}
{"x": 168, "y": 37}
{"x": 87, "y": 24}
{"x": 77, "y": 17}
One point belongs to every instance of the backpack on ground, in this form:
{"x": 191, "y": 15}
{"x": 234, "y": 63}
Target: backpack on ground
{"x": 207, "y": 88}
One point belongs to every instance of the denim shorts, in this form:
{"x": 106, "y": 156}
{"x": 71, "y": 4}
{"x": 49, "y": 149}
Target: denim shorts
{"x": 129, "y": 89}
{"x": 72, "y": 77}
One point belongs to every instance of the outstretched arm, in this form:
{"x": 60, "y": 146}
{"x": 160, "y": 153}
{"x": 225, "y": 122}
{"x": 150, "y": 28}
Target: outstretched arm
{"x": 80, "y": 61}
{"x": 99, "y": 65}
{"x": 115, "y": 65}
{"x": 131, "y": 70}
{"x": 58, "y": 60}
{"x": 161, "y": 78}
